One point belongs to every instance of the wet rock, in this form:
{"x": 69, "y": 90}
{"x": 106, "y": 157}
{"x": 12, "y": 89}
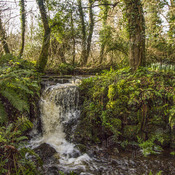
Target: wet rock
{"x": 74, "y": 154}
{"x": 45, "y": 151}
{"x": 53, "y": 170}
{"x": 69, "y": 127}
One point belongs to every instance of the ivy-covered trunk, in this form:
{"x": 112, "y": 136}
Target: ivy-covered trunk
{"x": 23, "y": 23}
{"x": 42, "y": 62}
{"x": 83, "y": 32}
{"x": 171, "y": 18}
{"x": 3, "y": 37}
{"x": 91, "y": 30}
{"x": 104, "y": 10}
{"x": 136, "y": 27}
{"x": 73, "y": 38}
{"x": 86, "y": 40}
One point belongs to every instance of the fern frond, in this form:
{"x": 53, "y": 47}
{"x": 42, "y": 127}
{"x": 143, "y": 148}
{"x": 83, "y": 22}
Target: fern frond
{"x": 20, "y": 86}
{"x": 3, "y": 114}
{"x": 23, "y": 124}
{"x": 15, "y": 100}
{"x": 21, "y": 138}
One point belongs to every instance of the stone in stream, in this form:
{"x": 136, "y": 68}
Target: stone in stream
{"x": 45, "y": 151}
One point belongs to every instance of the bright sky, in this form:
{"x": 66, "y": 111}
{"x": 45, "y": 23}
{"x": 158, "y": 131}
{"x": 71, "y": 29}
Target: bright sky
{"x": 12, "y": 17}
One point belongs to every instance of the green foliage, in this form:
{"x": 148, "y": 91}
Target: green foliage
{"x": 65, "y": 69}
{"x": 173, "y": 153}
{"x": 14, "y": 156}
{"x": 149, "y": 147}
{"x": 129, "y": 106}
{"x": 18, "y": 86}
{"x": 159, "y": 173}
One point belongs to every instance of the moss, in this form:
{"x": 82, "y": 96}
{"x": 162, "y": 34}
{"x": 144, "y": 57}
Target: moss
{"x": 128, "y": 106}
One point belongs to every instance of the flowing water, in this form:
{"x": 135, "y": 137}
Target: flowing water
{"x": 59, "y": 107}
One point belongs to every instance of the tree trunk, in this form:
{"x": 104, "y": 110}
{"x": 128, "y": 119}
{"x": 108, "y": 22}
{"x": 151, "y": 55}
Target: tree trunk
{"x": 23, "y": 24}
{"x": 43, "y": 58}
{"x": 136, "y": 26}
{"x": 83, "y": 31}
{"x": 61, "y": 53}
{"x": 3, "y": 37}
{"x": 105, "y": 17}
{"x": 73, "y": 39}
{"x": 91, "y": 30}
{"x": 171, "y": 31}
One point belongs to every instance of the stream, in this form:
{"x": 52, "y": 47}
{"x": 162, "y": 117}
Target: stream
{"x": 59, "y": 108}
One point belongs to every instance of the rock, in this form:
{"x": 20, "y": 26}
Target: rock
{"x": 45, "y": 151}
{"x": 53, "y": 170}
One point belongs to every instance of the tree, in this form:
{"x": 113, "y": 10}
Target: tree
{"x": 3, "y": 36}
{"x": 104, "y": 11}
{"x": 136, "y": 28}
{"x": 171, "y": 20}
{"x": 23, "y": 24}
{"x": 86, "y": 40}
{"x": 43, "y": 58}
{"x": 73, "y": 37}
{"x": 83, "y": 32}
{"x": 91, "y": 29}
{"x": 153, "y": 20}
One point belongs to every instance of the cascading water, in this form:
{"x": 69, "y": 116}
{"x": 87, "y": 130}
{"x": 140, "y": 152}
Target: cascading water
{"x": 59, "y": 107}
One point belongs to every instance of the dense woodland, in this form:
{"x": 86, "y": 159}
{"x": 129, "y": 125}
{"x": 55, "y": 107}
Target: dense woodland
{"x": 131, "y": 42}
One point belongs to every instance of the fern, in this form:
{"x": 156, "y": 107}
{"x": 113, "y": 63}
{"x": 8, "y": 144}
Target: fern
{"x": 15, "y": 100}
{"x": 20, "y": 87}
{"x": 23, "y": 124}
{"x": 3, "y": 114}
{"x": 13, "y": 157}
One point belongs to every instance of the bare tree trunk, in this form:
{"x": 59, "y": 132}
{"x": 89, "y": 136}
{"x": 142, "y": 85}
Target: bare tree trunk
{"x": 83, "y": 31}
{"x": 3, "y": 37}
{"x": 23, "y": 24}
{"x": 136, "y": 24}
{"x": 43, "y": 58}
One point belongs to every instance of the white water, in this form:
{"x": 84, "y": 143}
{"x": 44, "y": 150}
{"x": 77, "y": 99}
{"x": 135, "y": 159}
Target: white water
{"x": 58, "y": 106}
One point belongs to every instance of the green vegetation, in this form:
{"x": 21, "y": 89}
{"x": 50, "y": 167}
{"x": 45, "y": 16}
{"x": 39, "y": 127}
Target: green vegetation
{"x": 19, "y": 90}
{"x": 130, "y": 107}
{"x": 14, "y": 156}
{"x": 19, "y": 87}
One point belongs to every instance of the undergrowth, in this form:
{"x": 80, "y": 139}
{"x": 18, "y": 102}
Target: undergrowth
{"x": 19, "y": 93}
{"x": 18, "y": 87}
{"x": 131, "y": 107}
{"x": 14, "y": 156}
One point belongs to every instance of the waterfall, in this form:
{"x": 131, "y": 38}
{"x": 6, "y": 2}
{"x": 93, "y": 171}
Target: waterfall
{"x": 58, "y": 105}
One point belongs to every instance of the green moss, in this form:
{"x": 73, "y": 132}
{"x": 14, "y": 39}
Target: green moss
{"x": 128, "y": 105}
